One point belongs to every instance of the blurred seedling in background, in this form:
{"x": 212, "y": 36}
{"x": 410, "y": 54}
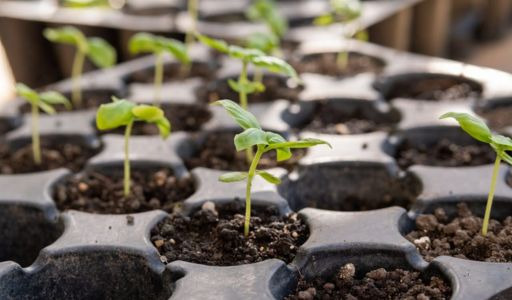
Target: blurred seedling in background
{"x": 124, "y": 113}
{"x": 40, "y": 101}
{"x": 192, "y": 10}
{"x": 99, "y": 51}
{"x": 264, "y": 141}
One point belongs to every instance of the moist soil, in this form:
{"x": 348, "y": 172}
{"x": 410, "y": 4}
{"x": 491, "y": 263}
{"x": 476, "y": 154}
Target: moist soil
{"x": 498, "y": 117}
{"x": 376, "y": 284}
{"x": 460, "y": 236}
{"x": 329, "y": 120}
{"x": 102, "y": 193}
{"x": 218, "y": 152}
{"x": 444, "y": 153}
{"x": 173, "y": 72}
{"x": 326, "y": 64}
{"x": 90, "y": 100}
{"x": 214, "y": 236}
{"x": 434, "y": 89}
{"x": 275, "y": 88}
{"x": 183, "y": 117}
{"x": 53, "y": 156}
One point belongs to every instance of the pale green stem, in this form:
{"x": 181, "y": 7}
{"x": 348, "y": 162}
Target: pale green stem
{"x": 488, "y": 207}
{"x": 242, "y": 82}
{"x": 250, "y": 176}
{"x": 76, "y": 75}
{"x": 127, "y": 176}
{"x": 36, "y": 145}
{"x": 342, "y": 59}
{"x": 258, "y": 76}
{"x": 159, "y": 77}
{"x": 192, "y": 12}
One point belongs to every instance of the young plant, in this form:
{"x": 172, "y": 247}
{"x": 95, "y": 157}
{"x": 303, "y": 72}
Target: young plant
{"x": 99, "y": 51}
{"x": 192, "y": 11}
{"x": 248, "y": 56}
{"x": 264, "y": 141}
{"x": 344, "y": 11}
{"x": 158, "y": 45}
{"x": 477, "y": 129}
{"x": 45, "y": 102}
{"x": 124, "y": 113}
{"x": 266, "y": 11}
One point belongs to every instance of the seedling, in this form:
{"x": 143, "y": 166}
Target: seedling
{"x": 99, "y": 51}
{"x": 158, "y": 45}
{"x": 192, "y": 10}
{"x": 124, "y": 113}
{"x": 266, "y": 11}
{"x": 477, "y": 129}
{"x": 45, "y": 102}
{"x": 344, "y": 11}
{"x": 265, "y": 141}
{"x": 249, "y": 56}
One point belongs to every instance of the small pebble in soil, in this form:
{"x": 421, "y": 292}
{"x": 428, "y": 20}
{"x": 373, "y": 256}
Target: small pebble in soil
{"x": 460, "y": 236}
{"x": 213, "y": 235}
{"x": 376, "y": 284}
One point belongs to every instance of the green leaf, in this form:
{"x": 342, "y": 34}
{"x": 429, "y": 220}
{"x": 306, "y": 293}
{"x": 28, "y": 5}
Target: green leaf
{"x": 115, "y": 114}
{"x": 233, "y": 176}
{"x": 85, "y": 3}
{"x": 249, "y": 87}
{"x": 324, "y": 20}
{"x": 305, "y": 143}
{"x": 250, "y": 137}
{"x": 101, "y": 53}
{"x": 27, "y": 93}
{"x": 474, "y": 126}
{"x": 143, "y": 42}
{"x": 67, "y": 35}
{"x": 347, "y": 10}
{"x": 147, "y": 113}
{"x": 47, "y": 108}
{"x": 283, "y": 153}
{"x": 216, "y": 44}
{"x": 505, "y": 156}
{"x": 268, "y": 177}
{"x": 53, "y": 98}
{"x": 266, "y": 43}
{"x": 242, "y": 117}
{"x": 276, "y": 65}
{"x": 164, "y": 127}
{"x": 501, "y": 142}
{"x": 175, "y": 47}
{"x": 246, "y": 54}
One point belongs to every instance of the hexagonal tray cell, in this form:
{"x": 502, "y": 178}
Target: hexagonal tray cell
{"x": 24, "y": 231}
{"x": 57, "y": 151}
{"x": 439, "y": 146}
{"x": 99, "y": 189}
{"x": 496, "y": 112}
{"x": 428, "y": 86}
{"x": 215, "y": 150}
{"x": 349, "y": 186}
{"x": 86, "y": 274}
{"x": 348, "y": 116}
{"x": 174, "y": 71}
{"x": 341, "y": 64}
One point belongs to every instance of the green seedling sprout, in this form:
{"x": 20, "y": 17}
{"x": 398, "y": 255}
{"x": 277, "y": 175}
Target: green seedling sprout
{"x": 86, "y": 3}
{"x": 248, "y": 56}
{"x": 477, "y": 129}
{"x": 122, "y": 112}
{"x": 265, "y": 141}
{"x": 158, "y": 45}
{"x": 45, "y": 102}
{"x": 192, "y": 11}
{"x": 344, "y": 11}
{"x": 99, "y": 51}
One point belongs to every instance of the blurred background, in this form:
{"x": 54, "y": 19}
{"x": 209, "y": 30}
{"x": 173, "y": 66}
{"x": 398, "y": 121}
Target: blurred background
{"x": 474, "y": 31}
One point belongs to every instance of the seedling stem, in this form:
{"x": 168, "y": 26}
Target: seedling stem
{"x": 127, "y": 176}
{"x": 159, "y": 77}
{"x": 36, "y": 144}
{"x": 490, "y": 197}
{"x": 250, "y": 176}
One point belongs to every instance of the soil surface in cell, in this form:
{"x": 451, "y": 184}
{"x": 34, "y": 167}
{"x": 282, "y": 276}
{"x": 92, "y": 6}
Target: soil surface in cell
{"x": 173, "y": 72}
{"x": 102, "y": 193}
{"x": 183, "y": 117}
{"x": 53, "y": 156}
{"x": 90, "y": 100}
{"x": 376, "y": 284}
{"x": 328, "y": 64}
{"x": 5, "y": 126}
{"x": 214, "y": 236}
{"x": 434, "y": 89}
{"x": 460, "y": 236}
{"x": 498, "y": 117}
{"x": 331, "y": 120}
{"x": 275, "y": 88}
{"x": 218, "y": 152}
{"x": 444, "y": 153}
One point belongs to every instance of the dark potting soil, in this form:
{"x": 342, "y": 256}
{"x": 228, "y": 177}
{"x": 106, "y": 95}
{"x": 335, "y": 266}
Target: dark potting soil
{"x": 329, "y": 120}
{"x": 90, "y": 100}
{"x": 499, "y": 117}
{"x": 326, "y": 64}
{"x": 376, "y": 284}
{"x": 102, "y": 193}
{"x": 218, "y": 152}
{"x": 173, "y": 72}
{"x": 5, "y": 126}
{"x": 444, "y": 153}
{"x": 214, "y": 236}
{"x": 275, "y": 88}
{"x": 183, "y": 117}
{"x": 434, "y": 89}
{"x": 460, "y": 236}
{"x": 53, "y": 156}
